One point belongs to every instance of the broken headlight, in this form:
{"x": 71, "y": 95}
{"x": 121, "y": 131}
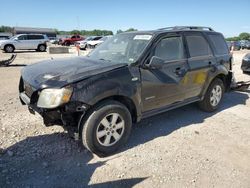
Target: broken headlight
{"x": 52, "y": 98}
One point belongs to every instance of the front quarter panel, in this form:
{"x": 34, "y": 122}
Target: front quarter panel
{"x": 117, "y": 82}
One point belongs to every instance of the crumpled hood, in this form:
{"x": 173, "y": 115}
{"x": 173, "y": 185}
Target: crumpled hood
{"x": 58, "y": 73}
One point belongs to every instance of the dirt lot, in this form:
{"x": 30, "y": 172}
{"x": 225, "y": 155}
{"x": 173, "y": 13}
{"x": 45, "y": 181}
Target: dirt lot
{"x": 181, "y": 148}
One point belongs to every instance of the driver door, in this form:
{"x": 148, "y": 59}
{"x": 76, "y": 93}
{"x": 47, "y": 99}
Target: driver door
{"x": 21, "y": 42}
{"x": 163, "y": 85}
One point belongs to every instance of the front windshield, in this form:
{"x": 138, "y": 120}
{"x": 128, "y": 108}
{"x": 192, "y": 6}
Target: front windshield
{"x": 122, "y": 48}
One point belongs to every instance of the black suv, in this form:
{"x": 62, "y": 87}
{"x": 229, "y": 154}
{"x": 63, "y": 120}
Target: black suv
{"x": 131, "y": 76}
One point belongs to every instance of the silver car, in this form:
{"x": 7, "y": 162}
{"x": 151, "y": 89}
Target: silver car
{"x": 25, "y": 42}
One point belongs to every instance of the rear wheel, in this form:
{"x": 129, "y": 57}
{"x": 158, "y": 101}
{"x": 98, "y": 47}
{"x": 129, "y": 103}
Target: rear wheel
{"x": 213, "y": 96}
{"x": 9, "y": 48}
{"x": 41, "y": 48}
{"x": 107, "y": 127}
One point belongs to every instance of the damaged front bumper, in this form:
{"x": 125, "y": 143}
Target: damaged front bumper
{"x": 65, "y": 115}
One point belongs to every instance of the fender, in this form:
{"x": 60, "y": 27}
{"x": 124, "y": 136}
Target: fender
{"x": 212, "y": 74}
{"x": 113, "y": 83}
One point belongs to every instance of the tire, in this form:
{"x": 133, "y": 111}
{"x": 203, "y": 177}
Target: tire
{"x": 112, "y": 135}
{"x": 9, "y": 48}
{"x": 213, "y": 96}
{"x": 67, "y": 43}
{"x": 41, "y": 48}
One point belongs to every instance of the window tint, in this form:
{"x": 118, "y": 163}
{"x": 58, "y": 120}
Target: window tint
{"x": 73, "y": 37}
{"x": 170, "y": 49}
{"x": 198, "y": 46}
{"x": 22, "y": 37}
{"x": 35, "y": 37}
{"x": 219, "y": 44}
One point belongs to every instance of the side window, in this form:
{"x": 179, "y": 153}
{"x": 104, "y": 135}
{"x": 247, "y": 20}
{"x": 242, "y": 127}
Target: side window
{"x": 31, "y": 37}
{"x": 198, "y": 46}
{"x": 219, "y": 44}
{"x": 170, "y": 49}
{"x": 73, "y": 37}
{"x": 22, "y": 37}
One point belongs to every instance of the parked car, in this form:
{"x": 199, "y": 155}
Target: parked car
{"x": 25, "y": 42}
{"x": 245, "y": 66}
{"x": 229, "y": 44}
{"x": 53, "y": 40}
{"x": 71, "y": 40}
{"x": 245, "y": 44}
{"x": 83, "y": 43}
{"x": 95, "y": 42}
{"x": 130, "y": 77}
{"x": 236, "y": 45}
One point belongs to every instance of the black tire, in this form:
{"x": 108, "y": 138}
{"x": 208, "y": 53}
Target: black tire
{"x": 9, "y": 48}
{"x": 92, "y": 124}
{"x": 206, "y": 103}
{"x": 41, "y": 48}
{"x": 67, "y": 43}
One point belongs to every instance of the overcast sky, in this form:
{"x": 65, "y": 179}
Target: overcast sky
{"x": 228, "y": 17}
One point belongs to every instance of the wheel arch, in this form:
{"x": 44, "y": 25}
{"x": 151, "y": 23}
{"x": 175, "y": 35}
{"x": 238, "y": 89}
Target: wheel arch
{"x": 126, "y": 101}
{"x": 225, "y": 78}
{"x": 9, "y": 45}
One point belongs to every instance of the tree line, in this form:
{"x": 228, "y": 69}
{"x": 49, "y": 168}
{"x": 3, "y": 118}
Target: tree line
{"x": 242, "y": 36}
{"x": 95, "y": 32}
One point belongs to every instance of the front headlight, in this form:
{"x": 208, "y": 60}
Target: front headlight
{"x": 52, "y": 98}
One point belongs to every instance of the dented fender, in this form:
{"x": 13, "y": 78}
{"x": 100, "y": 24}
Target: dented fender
{"x": 118, "y": 82}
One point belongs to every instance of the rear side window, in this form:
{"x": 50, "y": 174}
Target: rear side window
{"x": 198, "y": 46}
{"x": 219, "y": 44}
{"x": 35, "y": 37}
{"x": 170, "y": 49}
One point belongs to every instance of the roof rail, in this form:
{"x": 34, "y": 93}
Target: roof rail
{"x": 187, "y": 28}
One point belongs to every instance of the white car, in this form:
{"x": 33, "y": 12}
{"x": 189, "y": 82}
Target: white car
{"x": 94, "y": 43}
{"x": 25, "y": 42}
{"x": 83, "y": 43}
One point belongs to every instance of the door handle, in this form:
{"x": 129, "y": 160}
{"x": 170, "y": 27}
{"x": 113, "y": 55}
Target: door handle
{"x": 179, "y": 71}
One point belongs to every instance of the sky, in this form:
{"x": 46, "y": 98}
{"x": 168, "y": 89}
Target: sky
{"x": 230, "y": 17}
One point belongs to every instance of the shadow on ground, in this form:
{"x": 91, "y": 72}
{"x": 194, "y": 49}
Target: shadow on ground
{"x": 14, "y": 65}
{"x": 164, "y": 124}
{"x": 57, "y": 161}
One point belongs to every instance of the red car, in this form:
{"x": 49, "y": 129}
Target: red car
{"x": 72, "y": 40}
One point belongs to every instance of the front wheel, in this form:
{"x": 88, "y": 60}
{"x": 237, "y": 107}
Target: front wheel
{"x": 9, "y": 48}
{"x": 213, "y": 96}
{"x": 107, "y": 127}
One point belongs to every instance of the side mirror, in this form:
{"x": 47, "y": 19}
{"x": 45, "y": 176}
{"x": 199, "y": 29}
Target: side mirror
{"x": 155, "y": 63}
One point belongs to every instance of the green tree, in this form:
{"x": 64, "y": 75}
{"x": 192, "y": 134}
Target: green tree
{"x": 131, "y": 29}
{"x": 119, "y": 31}
{"x": 244, "y": 36}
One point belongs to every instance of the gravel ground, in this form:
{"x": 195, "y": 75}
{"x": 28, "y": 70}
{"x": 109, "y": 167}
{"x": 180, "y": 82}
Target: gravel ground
{"x": 181, "y": 148}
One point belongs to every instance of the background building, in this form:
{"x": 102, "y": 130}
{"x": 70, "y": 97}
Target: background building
{"x": 30, "y": 30}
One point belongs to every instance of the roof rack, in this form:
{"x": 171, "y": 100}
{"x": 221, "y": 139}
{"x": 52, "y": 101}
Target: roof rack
{"x": 187, "y": 28}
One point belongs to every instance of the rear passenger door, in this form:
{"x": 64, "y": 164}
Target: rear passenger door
{"x": 200, "y": 59}
{"x": 33, "y": 41}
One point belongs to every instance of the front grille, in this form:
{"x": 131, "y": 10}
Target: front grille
{"x": 28, "y": 90}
